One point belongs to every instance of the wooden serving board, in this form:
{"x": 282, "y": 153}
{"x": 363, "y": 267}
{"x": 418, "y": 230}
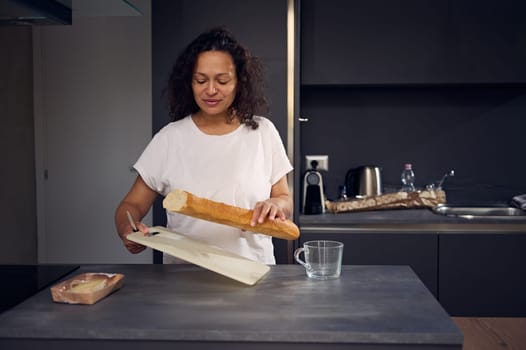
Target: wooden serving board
{"x": 207, "y": 256}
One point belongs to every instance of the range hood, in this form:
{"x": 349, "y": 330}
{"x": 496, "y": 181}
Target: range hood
{"x": 34, "y": 12}
{"x": 59, "y": 12}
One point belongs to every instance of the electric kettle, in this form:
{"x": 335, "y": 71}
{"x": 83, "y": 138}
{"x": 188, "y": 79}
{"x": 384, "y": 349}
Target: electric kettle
{"x": 364, "y": 181}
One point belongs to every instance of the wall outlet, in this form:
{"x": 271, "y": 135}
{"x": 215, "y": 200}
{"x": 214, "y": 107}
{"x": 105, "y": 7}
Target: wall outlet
{"x": 323, "y": 162}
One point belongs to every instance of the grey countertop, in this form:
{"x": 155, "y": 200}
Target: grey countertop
{"x": 377, "y": 305}
{"x": 408, "y": 220}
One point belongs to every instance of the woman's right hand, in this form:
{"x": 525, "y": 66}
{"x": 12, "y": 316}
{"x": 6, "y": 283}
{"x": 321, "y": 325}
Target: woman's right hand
{"x": 133, "y": 247}
{"x": 135, "y": 204}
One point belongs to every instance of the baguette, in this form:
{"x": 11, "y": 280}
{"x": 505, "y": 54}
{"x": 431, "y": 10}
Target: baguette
{"x": 186, "y": 203}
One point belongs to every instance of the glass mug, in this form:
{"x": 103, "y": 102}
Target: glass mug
{"x": 323, "y": 259}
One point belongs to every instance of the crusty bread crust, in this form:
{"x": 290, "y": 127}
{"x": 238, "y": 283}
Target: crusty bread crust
{"x": 186, "y": 203}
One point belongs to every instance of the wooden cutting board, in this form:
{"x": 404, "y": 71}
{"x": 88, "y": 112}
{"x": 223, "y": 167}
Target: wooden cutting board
{"x": 207, "y": 256}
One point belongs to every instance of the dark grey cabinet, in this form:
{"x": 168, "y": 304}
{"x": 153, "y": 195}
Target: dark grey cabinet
{"x": 419, "y": 251}
{"x": 412, "y": 42}
{"x": 481, "y": 274}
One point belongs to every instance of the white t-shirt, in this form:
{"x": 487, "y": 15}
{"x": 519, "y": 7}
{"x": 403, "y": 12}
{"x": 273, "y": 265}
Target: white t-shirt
{"x": 238, "y": 168}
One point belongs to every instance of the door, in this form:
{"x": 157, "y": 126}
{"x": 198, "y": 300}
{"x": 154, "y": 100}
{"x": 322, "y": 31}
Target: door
{"x": 92, "y": 120}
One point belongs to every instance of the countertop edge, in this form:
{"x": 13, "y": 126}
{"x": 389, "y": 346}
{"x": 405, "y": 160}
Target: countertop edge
{"x": 254, "y": 337}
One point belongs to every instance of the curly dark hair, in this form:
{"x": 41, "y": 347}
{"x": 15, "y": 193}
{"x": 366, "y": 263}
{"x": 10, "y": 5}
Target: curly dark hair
{"x": 250, "y": 98}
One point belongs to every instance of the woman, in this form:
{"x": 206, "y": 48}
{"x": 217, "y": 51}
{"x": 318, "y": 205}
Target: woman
{"x": 216, "y": 148}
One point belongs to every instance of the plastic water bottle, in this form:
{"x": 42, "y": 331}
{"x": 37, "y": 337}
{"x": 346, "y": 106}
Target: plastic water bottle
{"x": 408, "y": 178}
{"x": 342, "y": 196}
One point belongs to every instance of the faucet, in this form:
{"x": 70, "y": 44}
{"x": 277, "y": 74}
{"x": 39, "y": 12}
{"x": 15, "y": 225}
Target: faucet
{"x": 446, "y": 175}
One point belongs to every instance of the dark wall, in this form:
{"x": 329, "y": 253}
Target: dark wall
{"x": 261, "y": 26}
{"x": 476, "y": 130}
{"x": 440, "y": 84}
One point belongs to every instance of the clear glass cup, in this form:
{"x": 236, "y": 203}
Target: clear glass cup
{"x": 323, "y": 259}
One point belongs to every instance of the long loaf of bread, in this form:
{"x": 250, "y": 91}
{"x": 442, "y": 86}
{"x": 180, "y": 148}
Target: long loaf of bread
{"x": 186, "y": 203}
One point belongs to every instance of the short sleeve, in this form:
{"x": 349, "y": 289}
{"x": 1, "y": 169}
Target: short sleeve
{"x": 150, "y": 163}
{"x": 281, "y": 164}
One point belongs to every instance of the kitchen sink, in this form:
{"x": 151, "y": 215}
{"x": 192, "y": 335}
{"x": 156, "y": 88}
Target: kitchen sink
{"x": 472, "y": 212}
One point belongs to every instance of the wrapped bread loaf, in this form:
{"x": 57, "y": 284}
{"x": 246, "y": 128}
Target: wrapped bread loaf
{"x": 186, "y": 203}
{"x": 420, "y": 199}
{"x": 86, "y": 288}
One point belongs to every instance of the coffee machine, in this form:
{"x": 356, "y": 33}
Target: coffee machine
{"x": 313, "y": 197}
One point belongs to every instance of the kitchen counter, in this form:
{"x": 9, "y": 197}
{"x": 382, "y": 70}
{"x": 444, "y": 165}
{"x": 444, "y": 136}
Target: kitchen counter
{"x": 381, "y": 306}
{"x": 405, "y": 220}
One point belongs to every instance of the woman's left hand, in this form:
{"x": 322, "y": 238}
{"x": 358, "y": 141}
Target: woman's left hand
{"x": 267, "y": 209}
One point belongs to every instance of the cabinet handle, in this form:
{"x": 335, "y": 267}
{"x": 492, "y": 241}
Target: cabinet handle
{"x": 303, "y": 119}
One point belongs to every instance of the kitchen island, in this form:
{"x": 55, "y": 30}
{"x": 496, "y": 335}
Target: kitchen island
{"x": 475, "y": 267}
{"x": 160, "y": 306}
